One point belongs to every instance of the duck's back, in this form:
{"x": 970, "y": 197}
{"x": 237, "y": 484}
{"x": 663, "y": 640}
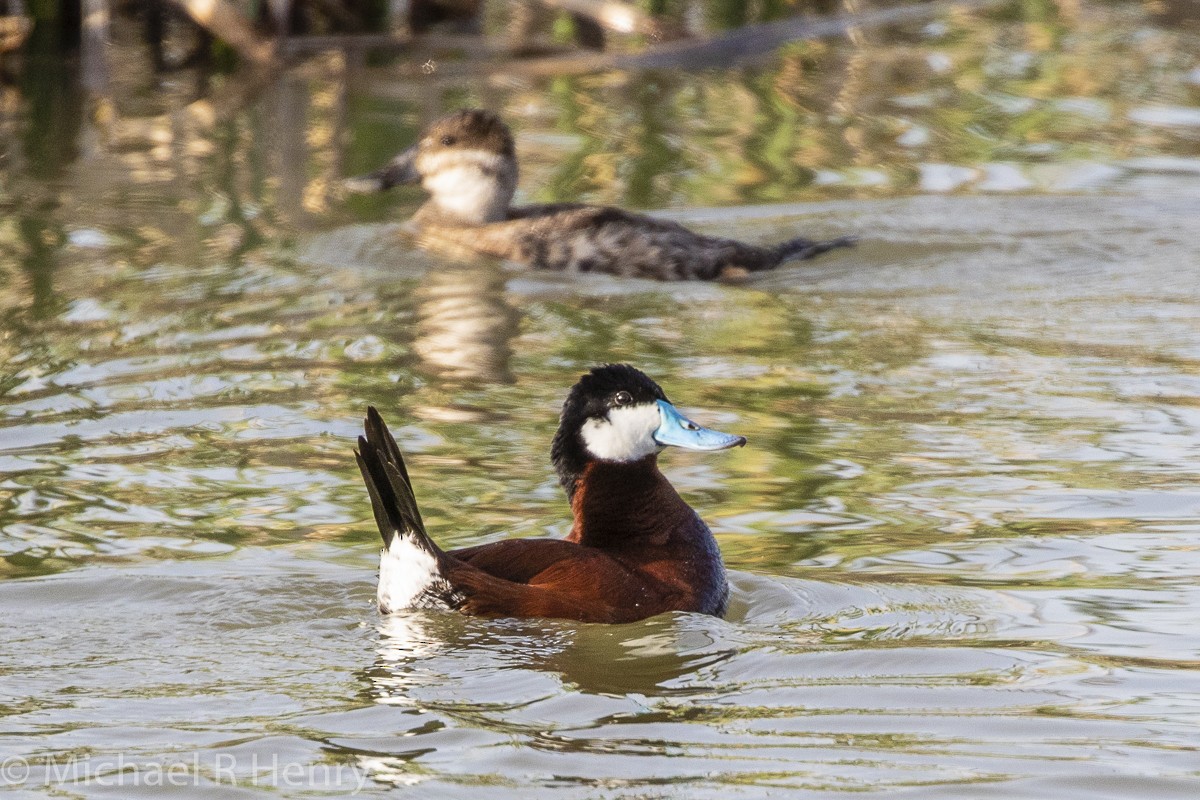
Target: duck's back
{"x": 580, "y": 238}
{"x": 605, "y": 585}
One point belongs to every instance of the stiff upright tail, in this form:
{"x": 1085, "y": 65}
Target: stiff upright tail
{"x": 801, "y": 248}
{"x": 412, "y": 568}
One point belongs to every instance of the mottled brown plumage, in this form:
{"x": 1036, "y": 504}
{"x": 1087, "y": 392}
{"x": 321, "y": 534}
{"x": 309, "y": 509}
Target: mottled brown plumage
{"x": 467, "y": 162}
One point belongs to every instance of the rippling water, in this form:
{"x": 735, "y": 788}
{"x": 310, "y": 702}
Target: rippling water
{"x": 962, "y": 537}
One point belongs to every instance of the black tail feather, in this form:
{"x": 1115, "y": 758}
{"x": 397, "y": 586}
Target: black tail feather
{"x": 392, "y": 498}
{"x": 801, "y": 248}
{"x": 379, "y": 435}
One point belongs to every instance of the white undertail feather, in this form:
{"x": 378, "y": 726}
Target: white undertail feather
{"x": 407, "y": 572}
{"x": 627, "y": 434}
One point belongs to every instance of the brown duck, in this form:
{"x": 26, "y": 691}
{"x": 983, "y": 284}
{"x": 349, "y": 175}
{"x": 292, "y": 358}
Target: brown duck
{"x": 468, "y": 164}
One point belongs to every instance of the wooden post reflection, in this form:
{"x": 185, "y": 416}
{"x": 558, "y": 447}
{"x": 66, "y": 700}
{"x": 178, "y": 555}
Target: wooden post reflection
{"x": 93, "y": 44}
{"x": 290, "y": 98}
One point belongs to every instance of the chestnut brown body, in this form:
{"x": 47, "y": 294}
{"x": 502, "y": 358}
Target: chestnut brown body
{"x": 635, "y": 549}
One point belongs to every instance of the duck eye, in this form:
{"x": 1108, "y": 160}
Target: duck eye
{"x": 622, "y": 398}
{"x": 448, "y": 140}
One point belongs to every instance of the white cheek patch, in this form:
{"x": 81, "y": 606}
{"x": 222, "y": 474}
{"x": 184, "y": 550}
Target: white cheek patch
{"x": 627, "y": 434}
{"x": 469, "y": 193}
{"x": 406, "y": 574}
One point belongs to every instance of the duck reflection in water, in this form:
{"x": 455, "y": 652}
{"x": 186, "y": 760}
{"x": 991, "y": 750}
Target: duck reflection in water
{"x": 465, "y": 324}
{"x": 425, "y": 657}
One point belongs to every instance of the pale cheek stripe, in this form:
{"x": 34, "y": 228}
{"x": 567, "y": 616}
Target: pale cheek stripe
{"x": 489, "y": 162}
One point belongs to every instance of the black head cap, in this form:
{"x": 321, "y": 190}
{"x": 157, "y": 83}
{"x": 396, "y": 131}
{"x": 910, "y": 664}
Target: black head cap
{"x": 595, "y": 394}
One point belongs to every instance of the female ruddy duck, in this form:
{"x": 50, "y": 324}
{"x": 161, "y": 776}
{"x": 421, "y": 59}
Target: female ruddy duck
{"x": 467, "y": 163}
{"x": 636, "y": 548}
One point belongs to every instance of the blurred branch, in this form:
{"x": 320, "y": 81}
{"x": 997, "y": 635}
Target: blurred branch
{"x": 225, "y": 22}
{"x": 612, "y": 14}
{"x": 472, "y": 47}
{"x": 741, "y": 46}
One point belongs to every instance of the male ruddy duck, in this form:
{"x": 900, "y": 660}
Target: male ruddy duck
{"x": 468, "y": 164}
{"x": 636, "y": 549}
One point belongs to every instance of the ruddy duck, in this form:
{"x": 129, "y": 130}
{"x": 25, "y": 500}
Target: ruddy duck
{"x": 468, "y": 164}
{"x": 636, "y": 549}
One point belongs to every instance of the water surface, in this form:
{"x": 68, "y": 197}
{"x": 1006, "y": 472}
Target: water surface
{"x": 962, "y": 537}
